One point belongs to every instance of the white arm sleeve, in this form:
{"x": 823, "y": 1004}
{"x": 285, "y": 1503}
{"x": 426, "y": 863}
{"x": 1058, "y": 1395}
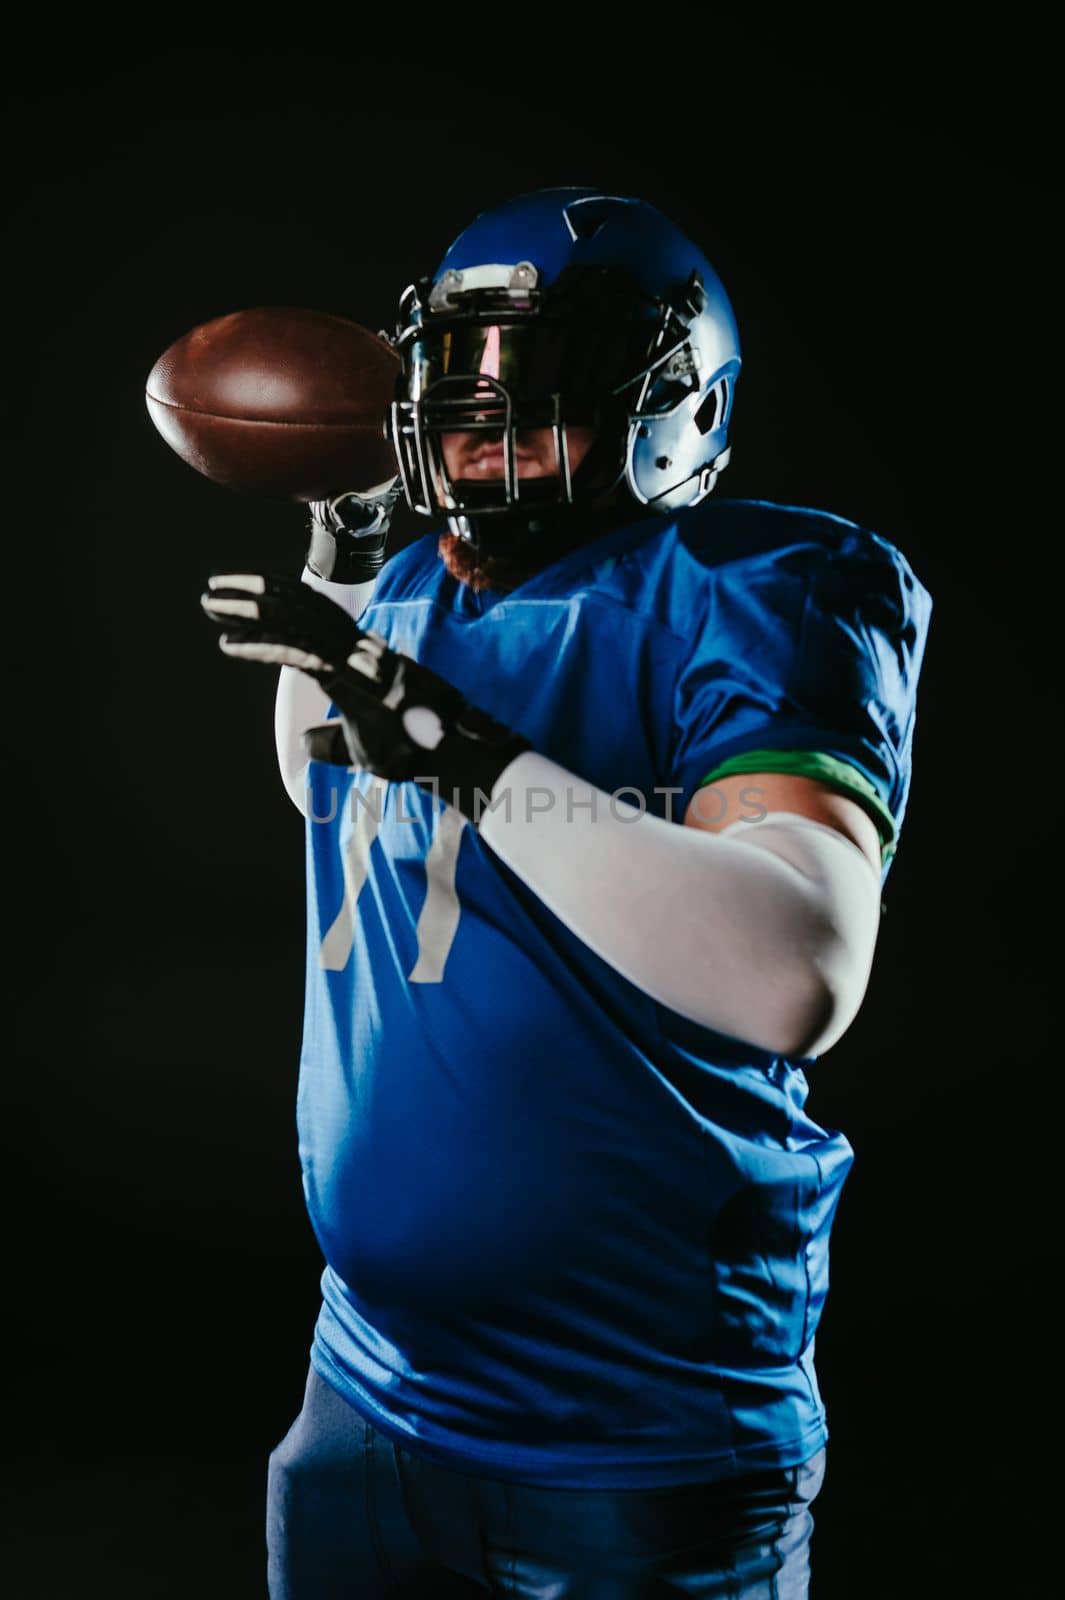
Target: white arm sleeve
{"x": 764, "y": 931}
{"x": 301, "y": 702}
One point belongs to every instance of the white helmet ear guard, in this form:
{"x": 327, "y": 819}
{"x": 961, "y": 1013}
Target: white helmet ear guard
{"x": 673, "y": 459}
{"x": 563, "y": 307}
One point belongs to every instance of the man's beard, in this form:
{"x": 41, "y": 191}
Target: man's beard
{"x": 506, "y": 568}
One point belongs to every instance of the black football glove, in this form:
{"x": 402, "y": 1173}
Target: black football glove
{"x": 397, "y": 718}
{"x": 349, "y": 533}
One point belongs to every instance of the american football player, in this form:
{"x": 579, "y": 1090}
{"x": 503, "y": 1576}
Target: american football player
{"x": 602, "y": 780}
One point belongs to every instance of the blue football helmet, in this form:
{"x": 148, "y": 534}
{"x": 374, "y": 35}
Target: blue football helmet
{"x": 559, "y": 308}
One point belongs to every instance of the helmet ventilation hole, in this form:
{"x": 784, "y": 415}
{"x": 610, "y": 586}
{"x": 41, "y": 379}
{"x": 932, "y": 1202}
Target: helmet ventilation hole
{"x": 713, "y": 407}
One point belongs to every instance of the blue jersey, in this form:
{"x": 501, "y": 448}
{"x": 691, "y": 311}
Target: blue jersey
{"x": 572, "y": 1238}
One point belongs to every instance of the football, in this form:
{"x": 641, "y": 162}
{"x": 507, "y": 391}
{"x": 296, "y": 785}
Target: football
{"x": 279, "y": 401}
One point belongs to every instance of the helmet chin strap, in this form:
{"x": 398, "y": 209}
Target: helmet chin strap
{"x": 556, "y": 528}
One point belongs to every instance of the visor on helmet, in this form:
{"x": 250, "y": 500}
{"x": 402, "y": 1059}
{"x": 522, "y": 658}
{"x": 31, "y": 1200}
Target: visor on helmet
{"x": 535, "y": 362}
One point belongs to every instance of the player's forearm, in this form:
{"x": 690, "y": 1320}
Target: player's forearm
{"x": 765, "y": 933}
{"x": 300, "y": 701}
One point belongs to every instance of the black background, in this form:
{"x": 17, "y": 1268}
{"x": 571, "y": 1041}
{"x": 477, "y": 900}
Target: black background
{"x": 880, "y": 217}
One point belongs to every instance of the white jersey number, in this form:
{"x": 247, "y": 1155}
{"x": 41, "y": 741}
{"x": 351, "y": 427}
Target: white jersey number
{"x": 439, "y": 919}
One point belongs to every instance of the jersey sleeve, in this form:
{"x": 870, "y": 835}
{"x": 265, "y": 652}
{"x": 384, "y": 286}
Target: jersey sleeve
{"x": 807, "y": 660}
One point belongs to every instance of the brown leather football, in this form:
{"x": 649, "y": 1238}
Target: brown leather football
{"x": 279, "y": 401}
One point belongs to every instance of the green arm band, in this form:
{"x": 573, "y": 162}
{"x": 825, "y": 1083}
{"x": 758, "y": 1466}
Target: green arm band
{"x": 829, "y": 769}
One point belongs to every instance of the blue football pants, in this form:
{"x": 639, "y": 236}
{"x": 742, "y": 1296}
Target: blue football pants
{"x": 353, "y": 1516}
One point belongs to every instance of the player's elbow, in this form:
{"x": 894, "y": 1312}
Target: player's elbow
{"x": 814, "y": 912}
{"x": 794, "y": 987}
{"x": 823, "y": 998}
{"x": 826, "y": 962}
{"x": 812, "y": 1022}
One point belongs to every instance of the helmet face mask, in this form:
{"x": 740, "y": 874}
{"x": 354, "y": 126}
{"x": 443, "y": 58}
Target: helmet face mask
{"x": 582, "y": 339}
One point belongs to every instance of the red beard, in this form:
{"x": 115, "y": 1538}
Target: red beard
{"x": 508, "y": 568}
{"x": 472, "y": 567}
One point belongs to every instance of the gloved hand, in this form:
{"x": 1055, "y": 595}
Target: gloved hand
{"x": 398, "y": 719}
{"x": 349, "y": 533}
